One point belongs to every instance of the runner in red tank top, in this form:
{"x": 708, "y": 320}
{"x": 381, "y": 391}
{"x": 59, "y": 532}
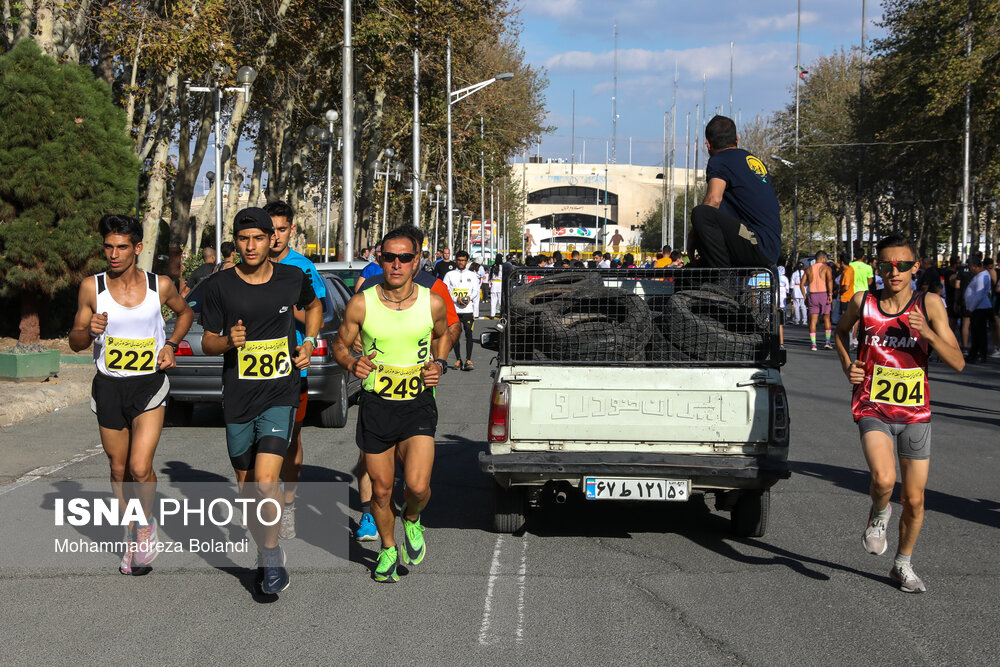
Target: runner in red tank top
{"x": 891, "y": 404}
{"x": 894, "y": 388}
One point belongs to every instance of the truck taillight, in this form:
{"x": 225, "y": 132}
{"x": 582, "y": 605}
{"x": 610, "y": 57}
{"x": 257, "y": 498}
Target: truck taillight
{"x": 499, "y": 413}
{"x": 184, "y": 350}
{"x": 779, "y": 416}
{"x": 321, "y": 348}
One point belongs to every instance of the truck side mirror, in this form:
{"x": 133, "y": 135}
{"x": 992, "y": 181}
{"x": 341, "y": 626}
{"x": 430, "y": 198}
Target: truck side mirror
{"x": 490, "y": 340}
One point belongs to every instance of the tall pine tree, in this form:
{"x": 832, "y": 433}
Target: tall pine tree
{"x": 65, "y": 159}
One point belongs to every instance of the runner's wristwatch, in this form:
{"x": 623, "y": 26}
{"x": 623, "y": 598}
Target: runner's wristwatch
{"x": 171, "y": 344}
{"x": 311, "y": 339}
{"x": 443, "y": 363}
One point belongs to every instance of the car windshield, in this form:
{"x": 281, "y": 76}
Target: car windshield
{"x": 349, "y": 276}
{"x": 195, "y": 297}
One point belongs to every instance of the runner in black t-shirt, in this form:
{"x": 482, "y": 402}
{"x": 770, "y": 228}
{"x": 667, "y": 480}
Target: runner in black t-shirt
{"x": 248, "y": 316}
{"x": 739, "y": 221}
{"x": 444, "y": 265}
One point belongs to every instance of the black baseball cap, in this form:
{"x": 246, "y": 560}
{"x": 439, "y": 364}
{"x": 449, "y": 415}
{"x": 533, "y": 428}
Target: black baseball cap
{"x": 253, "y": 218}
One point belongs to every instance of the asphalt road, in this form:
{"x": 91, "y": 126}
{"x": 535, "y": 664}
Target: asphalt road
{"x": 585, "y": 584}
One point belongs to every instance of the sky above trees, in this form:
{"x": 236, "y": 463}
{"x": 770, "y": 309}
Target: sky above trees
{"x": 573, "y": 39}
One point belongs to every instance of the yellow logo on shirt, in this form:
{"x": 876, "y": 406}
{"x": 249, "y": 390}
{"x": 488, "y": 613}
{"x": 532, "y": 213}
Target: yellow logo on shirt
{"x": 756, "y": 166}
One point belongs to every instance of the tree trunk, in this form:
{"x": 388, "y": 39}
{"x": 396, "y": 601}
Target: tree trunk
{"x": 157, "y": 186}
{"x": 8, "y": 26}
{"x": 30, "y": 330}
{"x": 26, "y": 22}
{"x": 188, "y": 167}
{"x": 263, "y": 140}
{"x": 44, "y": 29}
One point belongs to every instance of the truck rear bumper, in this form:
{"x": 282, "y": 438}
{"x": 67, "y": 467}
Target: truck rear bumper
{"x": 708, "y": 470}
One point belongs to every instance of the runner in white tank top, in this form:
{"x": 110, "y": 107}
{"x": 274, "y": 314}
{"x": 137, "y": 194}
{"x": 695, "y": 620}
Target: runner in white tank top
{"x": 120, "y": 312}
{"x": 133, "y": 336}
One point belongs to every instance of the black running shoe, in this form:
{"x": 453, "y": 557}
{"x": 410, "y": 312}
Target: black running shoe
{"x": 272, "y": 577}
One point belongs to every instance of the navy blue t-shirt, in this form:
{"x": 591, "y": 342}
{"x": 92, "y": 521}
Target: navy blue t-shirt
{"x": 749, "y": 196}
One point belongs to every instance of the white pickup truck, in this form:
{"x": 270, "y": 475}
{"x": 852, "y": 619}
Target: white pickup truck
{"x": 637, "y": 384}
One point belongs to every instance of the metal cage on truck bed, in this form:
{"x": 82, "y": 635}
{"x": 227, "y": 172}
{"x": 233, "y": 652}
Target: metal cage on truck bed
{"x": 630, "y": 317}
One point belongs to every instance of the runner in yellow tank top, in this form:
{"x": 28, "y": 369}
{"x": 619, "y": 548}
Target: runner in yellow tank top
{"x": 400, "y": 323}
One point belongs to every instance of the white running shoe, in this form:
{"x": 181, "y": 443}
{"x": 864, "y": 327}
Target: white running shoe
{"x": 909, "y": 582}
{"x": 874, "y": 537}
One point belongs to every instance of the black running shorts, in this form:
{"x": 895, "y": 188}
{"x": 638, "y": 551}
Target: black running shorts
{"x": 117, "y": 401}
{"x": 383, "y": 424}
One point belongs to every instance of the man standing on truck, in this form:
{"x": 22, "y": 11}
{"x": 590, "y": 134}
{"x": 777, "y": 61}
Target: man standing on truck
{"x": 738, "y": 222}
{"x": 399, "y": 323}
{"x": 897, "y": 328}
{"x": 282, "y": 253}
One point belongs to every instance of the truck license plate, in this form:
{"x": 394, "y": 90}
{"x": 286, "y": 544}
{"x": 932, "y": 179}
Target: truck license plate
{"x": 630, "y": 488}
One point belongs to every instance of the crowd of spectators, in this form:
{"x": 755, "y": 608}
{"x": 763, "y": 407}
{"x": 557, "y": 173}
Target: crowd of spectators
{"x": 970, "y": 290}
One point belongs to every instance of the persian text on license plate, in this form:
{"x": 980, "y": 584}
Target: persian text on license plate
{"x": 628, "y": 488}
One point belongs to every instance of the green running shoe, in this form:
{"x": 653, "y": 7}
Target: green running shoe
{"x": 414, "y": 548}
{"x": 385, "y": 568}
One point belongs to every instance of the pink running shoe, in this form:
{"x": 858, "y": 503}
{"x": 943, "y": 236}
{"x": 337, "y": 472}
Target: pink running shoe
{"x": 146, "y": 550}
{"x": 126, "y": 564}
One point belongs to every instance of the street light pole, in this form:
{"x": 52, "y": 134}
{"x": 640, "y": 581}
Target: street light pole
{"x": 347, "y": 158}
{"x": 331, "y": 117}
{"x": 450, "y": 194}
{"x": 482, "y": 186}
{"x": 453, "y": 97}
{"x": 795, "y": 184}
{"x": 437, "y": 208}
{"x": 219, "y": 180}
{"x": 416, "y": 138}
{"x": 245, "y": 76}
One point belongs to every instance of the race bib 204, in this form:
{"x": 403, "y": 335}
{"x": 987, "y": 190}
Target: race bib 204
{"x": 898, "y": 386}
{"x": 130, "y": 355}
{"x": 264, "y": 359}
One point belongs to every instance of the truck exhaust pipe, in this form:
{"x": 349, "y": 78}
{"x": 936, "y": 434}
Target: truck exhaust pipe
{"x": 561, "y": 497}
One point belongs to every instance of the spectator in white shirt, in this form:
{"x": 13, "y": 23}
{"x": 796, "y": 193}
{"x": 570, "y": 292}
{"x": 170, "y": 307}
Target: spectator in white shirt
{"x": 464, "y": 287}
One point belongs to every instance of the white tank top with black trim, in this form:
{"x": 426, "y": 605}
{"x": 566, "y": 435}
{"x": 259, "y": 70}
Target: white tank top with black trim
{"x": 134, "y": 336}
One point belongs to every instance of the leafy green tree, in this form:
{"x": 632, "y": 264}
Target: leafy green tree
{"x": 65, "y": 160}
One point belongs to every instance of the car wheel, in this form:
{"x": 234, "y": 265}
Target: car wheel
{"x": 335, "y": 414}
{"x": 178, "y": 413}
{"x": 750, "y": 513}
{"x": 508, "y": 508}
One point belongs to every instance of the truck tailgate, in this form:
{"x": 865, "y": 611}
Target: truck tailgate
{"x": 638, "y": 405}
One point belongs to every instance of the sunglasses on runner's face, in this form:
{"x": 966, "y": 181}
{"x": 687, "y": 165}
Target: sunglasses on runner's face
{"x": 403, "y": 257}
{"x": 885, "y": 266}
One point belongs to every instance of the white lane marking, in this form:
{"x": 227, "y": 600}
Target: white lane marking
{"x": 522, "y": 575}
{"x": 43, "y": 471}
{"x": 484, "y": 628}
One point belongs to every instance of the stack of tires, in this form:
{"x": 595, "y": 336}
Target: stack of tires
{"x": 714, "y": 323}
{"x": 572, "y": 316}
